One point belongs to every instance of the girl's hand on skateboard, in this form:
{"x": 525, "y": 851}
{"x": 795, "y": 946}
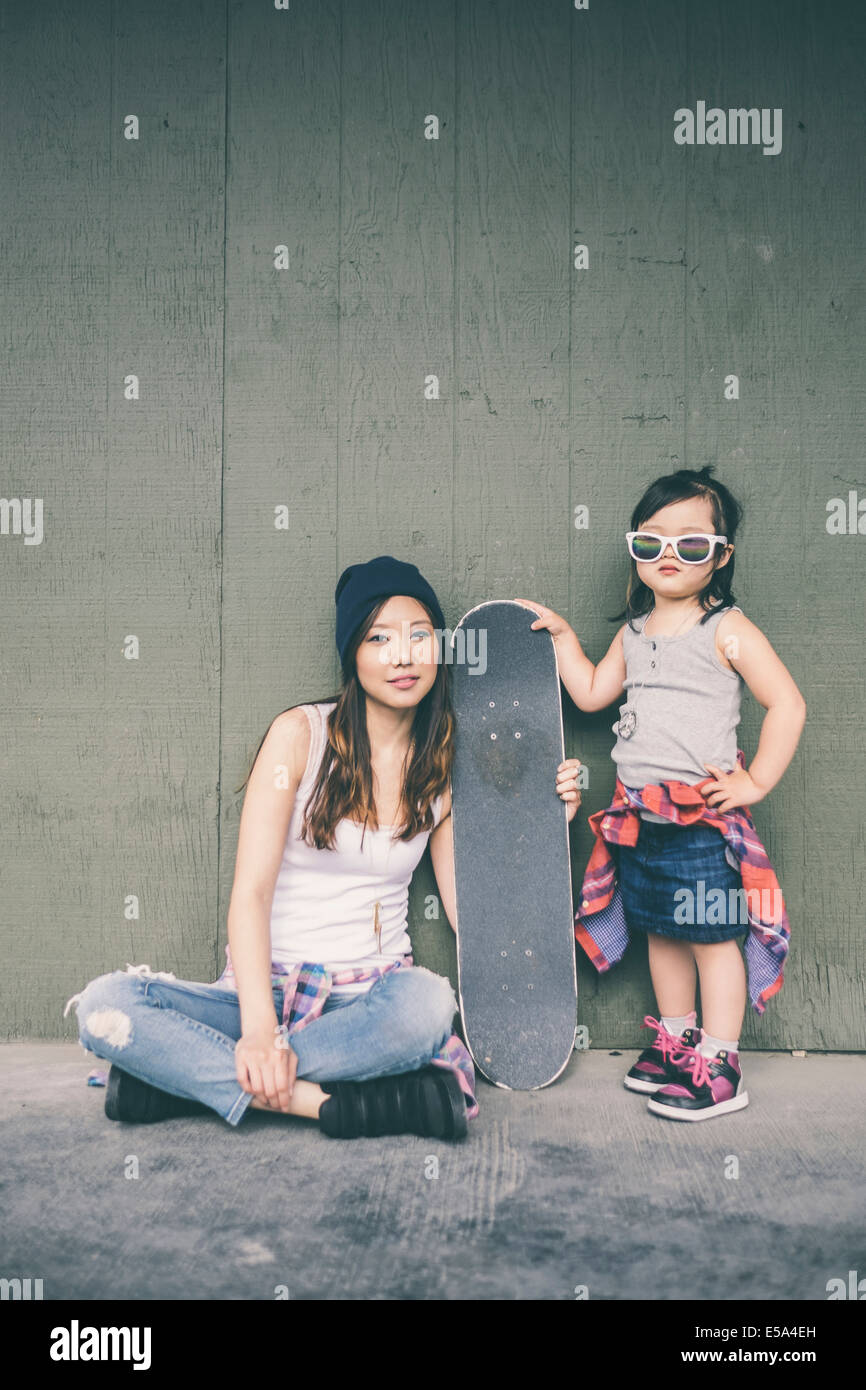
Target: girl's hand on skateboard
{"x": 266, "y": 1066}
{"x": 556, "y": 626}
{"x": 566, "y": 785}
{"x": 731, "y": 789}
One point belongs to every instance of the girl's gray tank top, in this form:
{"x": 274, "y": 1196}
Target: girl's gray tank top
{"x": 686, "y": 704}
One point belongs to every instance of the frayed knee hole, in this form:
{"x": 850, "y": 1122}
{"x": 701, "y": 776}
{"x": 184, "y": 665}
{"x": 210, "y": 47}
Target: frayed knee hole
{"x": 111, "y": 1024}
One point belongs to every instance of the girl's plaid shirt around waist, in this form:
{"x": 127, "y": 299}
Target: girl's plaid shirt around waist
{"x": 600, "y": 924}
{"x": 306, "y": 987}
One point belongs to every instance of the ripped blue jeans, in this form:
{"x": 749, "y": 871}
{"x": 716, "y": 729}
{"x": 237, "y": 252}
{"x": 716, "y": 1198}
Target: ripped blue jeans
{"x": 180, "y": 1035}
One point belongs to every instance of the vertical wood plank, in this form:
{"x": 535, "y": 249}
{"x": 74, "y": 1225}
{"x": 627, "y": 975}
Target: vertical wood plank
{"x": 281, "y": 449}
{"x": 396, "y": 318}
{"x": 829, "y": 290}
{"x": 511, "y": 493}
{"x": 162, "y": 514}
{"x": 627, "y": 377}
{"x": 742, "y": 317}
{"x": 120, "y": 798}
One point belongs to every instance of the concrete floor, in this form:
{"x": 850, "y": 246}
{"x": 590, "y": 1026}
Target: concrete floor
{"x": 576, "y": 1185}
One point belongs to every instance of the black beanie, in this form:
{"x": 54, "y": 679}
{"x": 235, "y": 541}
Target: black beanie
{"x": 361, "y": 588}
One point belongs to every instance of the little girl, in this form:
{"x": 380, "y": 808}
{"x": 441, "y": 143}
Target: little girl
{"x": 676, "y": 854}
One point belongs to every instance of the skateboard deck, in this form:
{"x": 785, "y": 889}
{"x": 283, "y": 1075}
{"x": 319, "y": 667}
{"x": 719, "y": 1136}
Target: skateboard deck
{"x": 517, "y": 977}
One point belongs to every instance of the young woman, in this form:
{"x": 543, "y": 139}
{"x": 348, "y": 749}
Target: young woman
{"x": 320, "y": 1012}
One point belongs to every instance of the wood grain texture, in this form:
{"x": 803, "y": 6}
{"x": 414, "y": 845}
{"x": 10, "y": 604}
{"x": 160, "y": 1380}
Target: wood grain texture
{"x": 397, "y": 302}
{"x": 113, "y": 264}
{"x": 743, "y": 251}
{"x": 281, "y": 369}
{"x": 627, "y": 380}
{"x": 832, "y": 424}
{"x": 304, "y": 388}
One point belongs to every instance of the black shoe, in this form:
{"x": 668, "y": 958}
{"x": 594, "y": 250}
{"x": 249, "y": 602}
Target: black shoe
{"x": 137, "y": 1102}
{"x": 428, "y": 1102}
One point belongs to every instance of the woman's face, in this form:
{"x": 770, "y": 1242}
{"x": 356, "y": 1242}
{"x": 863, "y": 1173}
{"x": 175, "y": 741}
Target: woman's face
{"x": 668, "y": 576}
{"x": 396, "y": 659}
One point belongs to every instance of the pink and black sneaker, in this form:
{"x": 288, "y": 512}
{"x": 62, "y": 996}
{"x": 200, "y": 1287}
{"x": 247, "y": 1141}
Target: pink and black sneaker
{"x": 653, "y": 1068}
{"x": 705, "y": 1086}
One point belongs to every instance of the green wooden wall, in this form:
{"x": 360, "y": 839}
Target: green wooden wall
{"x": 182, "y": 592}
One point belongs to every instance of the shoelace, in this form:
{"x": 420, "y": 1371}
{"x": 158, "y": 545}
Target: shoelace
{"x": 666, "y": 1043}
{"x": 689, "y": 1059}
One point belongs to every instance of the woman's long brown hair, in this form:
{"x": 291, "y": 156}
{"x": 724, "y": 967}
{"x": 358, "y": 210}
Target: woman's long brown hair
{"x": 344, "y": 783}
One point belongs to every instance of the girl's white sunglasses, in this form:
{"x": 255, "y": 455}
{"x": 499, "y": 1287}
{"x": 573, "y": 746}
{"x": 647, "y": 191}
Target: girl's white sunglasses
{"x": 692, "y": 549}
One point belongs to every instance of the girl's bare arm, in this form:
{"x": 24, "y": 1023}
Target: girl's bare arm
{"x": 771, "y": 683}
{"x": 590, "y": 687}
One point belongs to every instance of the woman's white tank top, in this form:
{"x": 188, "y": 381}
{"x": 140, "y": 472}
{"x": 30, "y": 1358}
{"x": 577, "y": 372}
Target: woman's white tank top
{"x": 324, "y": 904}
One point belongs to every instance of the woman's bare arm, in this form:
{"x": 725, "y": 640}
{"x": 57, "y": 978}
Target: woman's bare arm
{"x": 267, "y": 810}
{"x": 442, "y": 856}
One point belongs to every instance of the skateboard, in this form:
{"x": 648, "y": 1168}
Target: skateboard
{"x": 517, "y": 976}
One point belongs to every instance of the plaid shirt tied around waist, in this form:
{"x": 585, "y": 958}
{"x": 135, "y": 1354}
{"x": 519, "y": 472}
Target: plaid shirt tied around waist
{"x": 306, "y": 987}
{"x": 600, "y": 924}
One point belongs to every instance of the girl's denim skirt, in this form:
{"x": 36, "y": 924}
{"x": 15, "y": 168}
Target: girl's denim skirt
{"x": 677, "y": 882}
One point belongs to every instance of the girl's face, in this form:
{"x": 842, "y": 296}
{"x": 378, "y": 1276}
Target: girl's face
{"x": 396, "y": 660}
{"x": 667, "y": 576}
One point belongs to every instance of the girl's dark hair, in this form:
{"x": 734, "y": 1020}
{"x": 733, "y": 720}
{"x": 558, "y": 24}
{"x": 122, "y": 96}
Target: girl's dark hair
{"x": 344, "y": 782}
{"x": 727, "y": 516}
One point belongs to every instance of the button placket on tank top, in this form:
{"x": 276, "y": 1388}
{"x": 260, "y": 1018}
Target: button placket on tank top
{"x": 627, "y": 722}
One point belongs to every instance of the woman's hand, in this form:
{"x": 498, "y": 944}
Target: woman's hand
{"x": 731, "y": 789}
{"x": 266, "y": 1066}
{"x": 566, "y": 785}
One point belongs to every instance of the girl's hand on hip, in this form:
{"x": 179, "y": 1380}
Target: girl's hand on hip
{"x": 730, "y": 789}
{"x": 266, "y": 1066}
{"x": 566, "y": 785}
